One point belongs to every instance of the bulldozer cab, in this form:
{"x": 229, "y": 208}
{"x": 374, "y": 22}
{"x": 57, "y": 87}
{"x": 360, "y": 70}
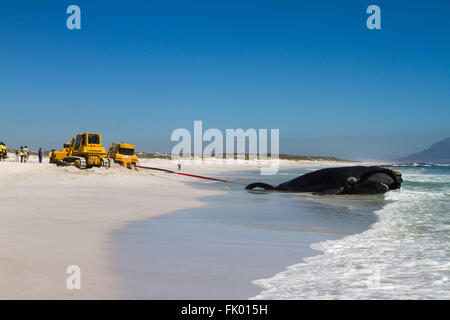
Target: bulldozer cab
{"x": 125, "y": 150}
{"x": 122, "y": 149}
{"x": 88, "y": 139}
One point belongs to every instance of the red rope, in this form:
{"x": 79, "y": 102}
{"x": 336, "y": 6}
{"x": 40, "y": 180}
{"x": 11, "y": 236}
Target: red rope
{"x": 208, "y": 178}
{"x": 191, "y": 175}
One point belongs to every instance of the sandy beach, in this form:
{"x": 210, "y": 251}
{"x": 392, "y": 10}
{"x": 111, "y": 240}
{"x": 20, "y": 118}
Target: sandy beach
{"x": 52, "y": 217}
{"x": 55, "y": 217}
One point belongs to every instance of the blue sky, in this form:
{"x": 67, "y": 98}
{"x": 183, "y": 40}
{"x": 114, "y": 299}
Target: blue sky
{"x": 137, "y": 70}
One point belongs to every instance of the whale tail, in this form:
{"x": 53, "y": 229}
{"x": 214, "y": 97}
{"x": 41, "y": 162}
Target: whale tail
{"x": 261, "y": 185}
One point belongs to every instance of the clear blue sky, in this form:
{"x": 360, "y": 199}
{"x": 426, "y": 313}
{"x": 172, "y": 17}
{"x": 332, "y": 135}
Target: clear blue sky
{"x": 139, "y": 69}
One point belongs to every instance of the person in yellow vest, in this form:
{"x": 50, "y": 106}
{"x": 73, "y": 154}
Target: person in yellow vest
{"x": 21, "y": 154}
{"x": 50, "y": 156}
{"x": 2, "y": 151}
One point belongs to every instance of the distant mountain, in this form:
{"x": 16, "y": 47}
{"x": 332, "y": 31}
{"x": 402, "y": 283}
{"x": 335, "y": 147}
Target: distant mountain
{"x": 439, "y": 152}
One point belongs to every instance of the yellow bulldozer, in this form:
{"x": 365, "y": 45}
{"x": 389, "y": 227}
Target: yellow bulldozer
{"x": 86, "y": 151}
{"x": 58, "y": 156}
{"x": 123, "y": 154}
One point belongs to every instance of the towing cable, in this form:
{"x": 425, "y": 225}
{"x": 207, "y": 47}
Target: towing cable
{"x": 191, "y": 175}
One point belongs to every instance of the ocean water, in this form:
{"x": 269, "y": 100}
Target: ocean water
{"x": 404, "y": 255}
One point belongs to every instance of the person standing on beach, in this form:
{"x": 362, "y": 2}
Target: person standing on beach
{"x": 21, "y": 154}
{"x": 40, "y": 155}
{"x": 26, "y": 154}
{"x": 17, "y": 156}
{"x": 179, "y": 165}
{"x": 2, "y": 151}
{"x": 5, "y": 152}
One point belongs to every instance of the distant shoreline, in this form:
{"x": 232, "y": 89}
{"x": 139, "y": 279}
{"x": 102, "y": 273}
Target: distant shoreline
{"x": 282, "y": 156}
{"x": 167, "y": 156}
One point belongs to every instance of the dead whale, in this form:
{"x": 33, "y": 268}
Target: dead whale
{"x": 342, "y": 180}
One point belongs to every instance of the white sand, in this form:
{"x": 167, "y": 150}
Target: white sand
{"x": 53, "y": 217}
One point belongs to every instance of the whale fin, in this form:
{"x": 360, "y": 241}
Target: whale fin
{"x": 262, "y": 185}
